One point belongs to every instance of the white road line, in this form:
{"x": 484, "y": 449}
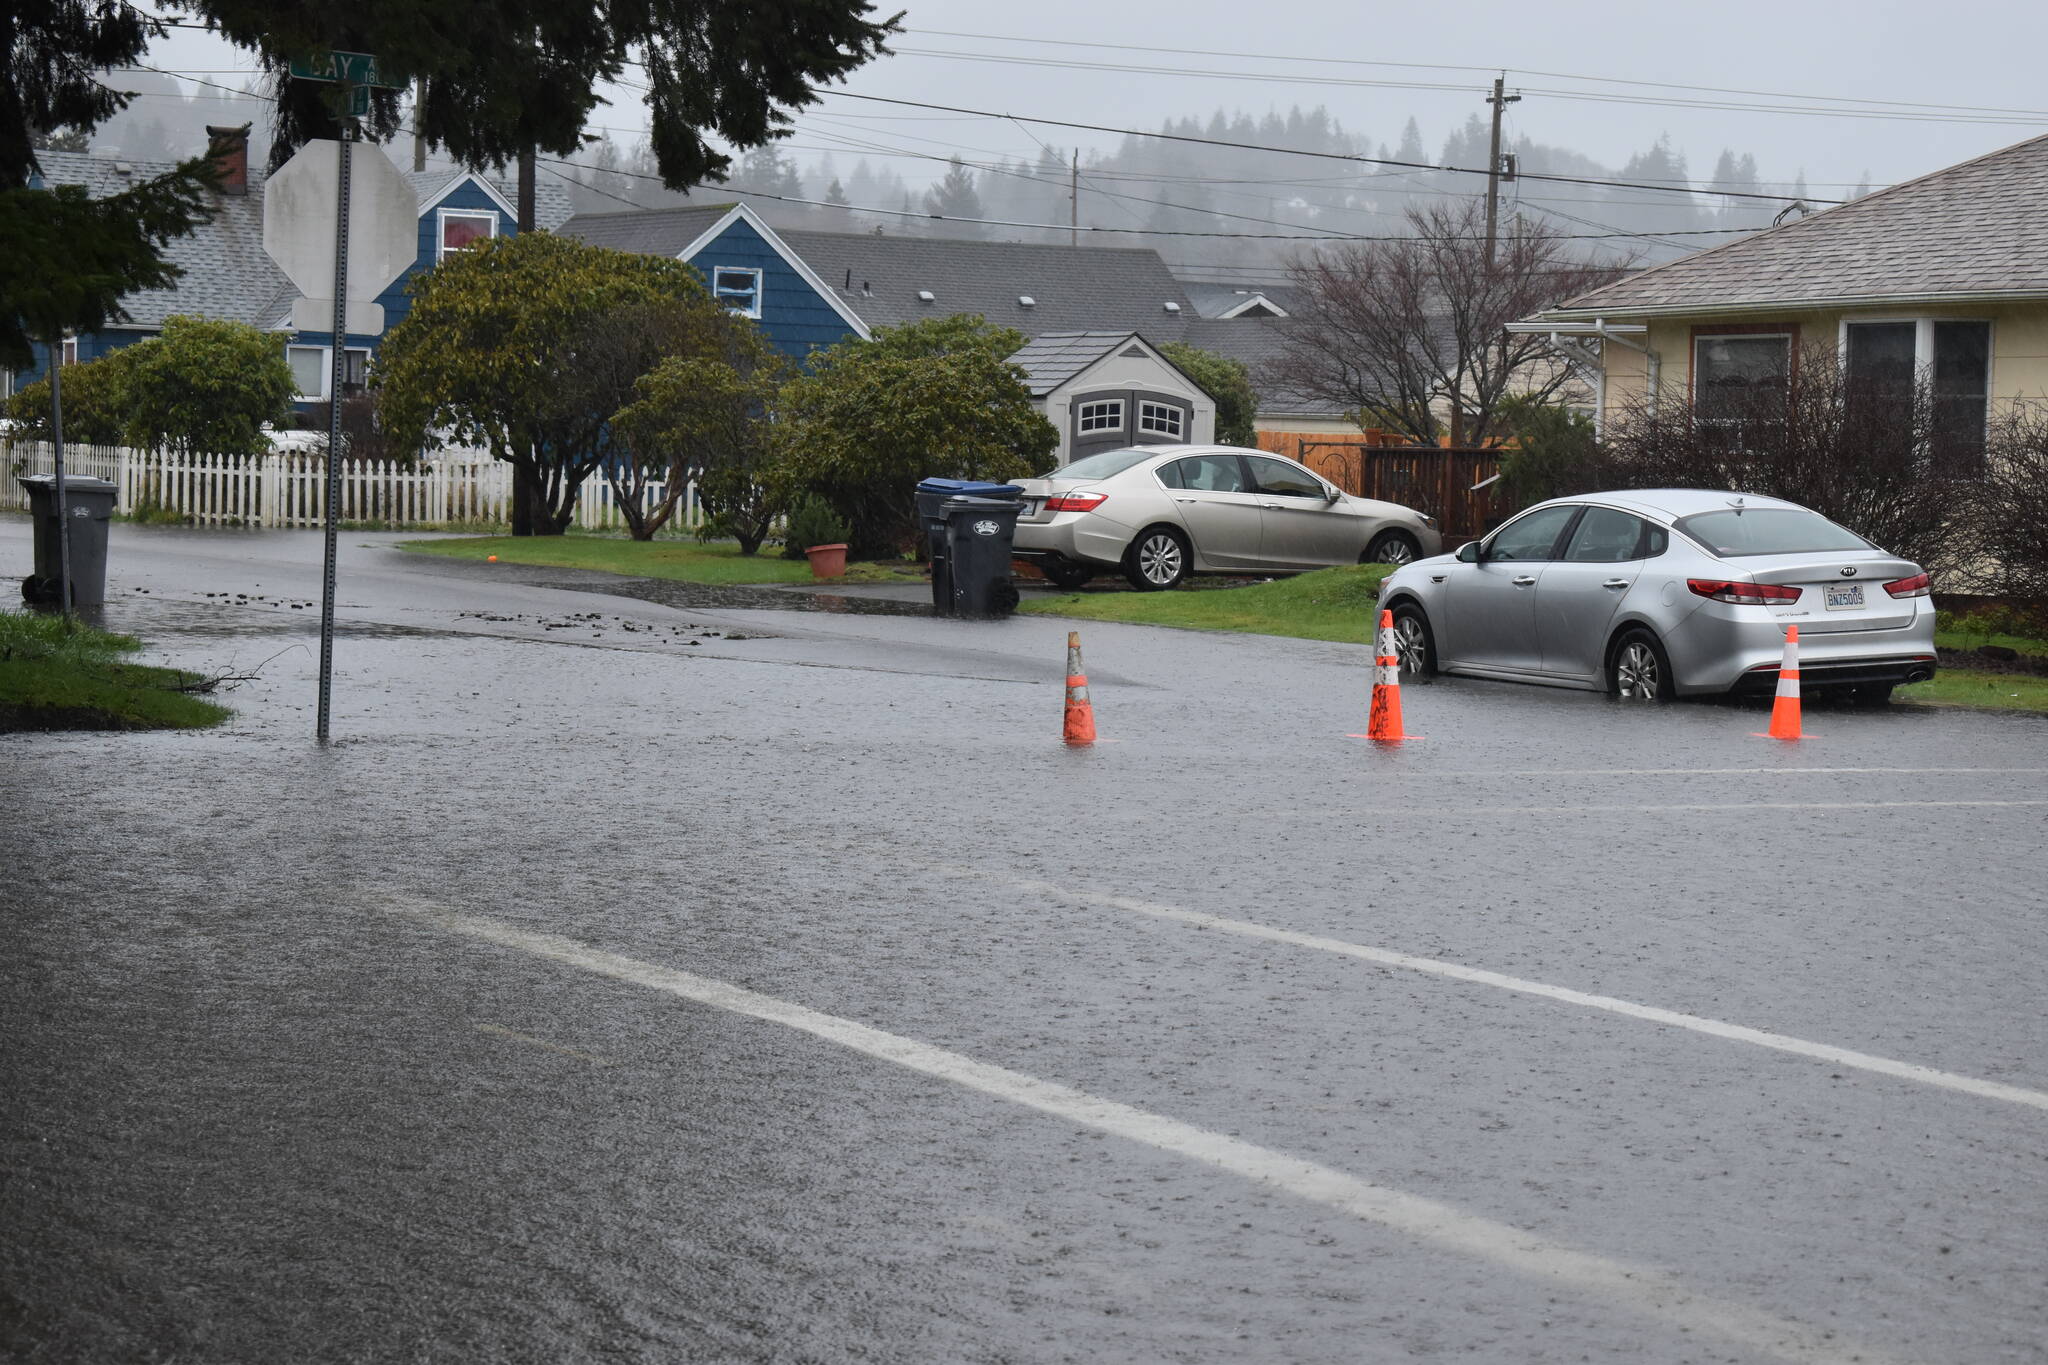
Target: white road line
{"x": 1690, "y": 806}
{"x": 1702, "y": 772}
{"x": 1641, "y": 1289}
{"x": 1716, "y": 1028}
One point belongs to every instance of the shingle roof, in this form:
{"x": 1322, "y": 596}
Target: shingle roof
{"x": 1972, "y": 231}
{"x": 551, "y": 206}
{"x": 227, "y": 273}
{"x": 1072, "y": 288}
{"x": 652, "y": 232}
{"x": 1051, "y": 360}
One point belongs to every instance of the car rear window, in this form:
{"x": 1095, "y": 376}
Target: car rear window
{"x": 1102, "y": 466}
{"x": 1769, "y": 531}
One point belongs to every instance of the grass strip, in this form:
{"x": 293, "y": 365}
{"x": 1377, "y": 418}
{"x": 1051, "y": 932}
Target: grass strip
{"x": 56, "y": 675}
{"x": 1330, "y": 604}
{"x": 688, "y": 561}
{"x": 1979, "y": 691}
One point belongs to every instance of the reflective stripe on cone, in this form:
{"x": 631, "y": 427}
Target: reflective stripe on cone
{"x": 1080, "y": 722}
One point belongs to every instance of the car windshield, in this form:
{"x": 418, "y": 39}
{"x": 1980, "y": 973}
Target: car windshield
{"x": 1102, "y": 466}
{"x": 1769, "y": 531}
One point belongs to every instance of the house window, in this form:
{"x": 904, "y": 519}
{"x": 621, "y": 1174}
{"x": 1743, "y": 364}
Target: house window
{"x": 1160, "y": 420}
{"x": 1891, "y": 360}
{"x": 67, "y": 353}
{"x": 310, "y": 369}
{"x": 1734, "y": 377}
{"x": 1107, "y": 415}
{"x": 737, "y": 289}
{"x": 461, "y": 231}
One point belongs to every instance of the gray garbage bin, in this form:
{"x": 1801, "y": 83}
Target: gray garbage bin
{"x": 89, "y": 505}
{"x": 979, "y": 534}
{"x": 931, "y": 514}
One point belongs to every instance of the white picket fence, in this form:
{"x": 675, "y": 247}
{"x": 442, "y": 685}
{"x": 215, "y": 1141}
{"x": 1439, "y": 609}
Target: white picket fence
{"x": 290, "y": 489}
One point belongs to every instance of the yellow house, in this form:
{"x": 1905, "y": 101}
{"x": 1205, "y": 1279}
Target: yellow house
{"x": 1944, "y": 278}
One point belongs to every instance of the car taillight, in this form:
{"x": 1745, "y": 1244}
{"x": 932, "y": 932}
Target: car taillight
{"x": 1916, "y": 586}
{"x": 1075, "y": 502}
{"x": 1742, "y": 594}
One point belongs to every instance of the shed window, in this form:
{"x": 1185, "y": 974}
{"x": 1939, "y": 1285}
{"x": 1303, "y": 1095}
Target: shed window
{"x": 461, "y": 231}
{"x": 1105, "y": 415}
{"x": 1160, "y": 420}
{"x": 737, "y": 289}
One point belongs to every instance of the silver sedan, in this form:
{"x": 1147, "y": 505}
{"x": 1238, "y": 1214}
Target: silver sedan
{"x": 1160, "y": 513}
{"x": 1651, "y": 594}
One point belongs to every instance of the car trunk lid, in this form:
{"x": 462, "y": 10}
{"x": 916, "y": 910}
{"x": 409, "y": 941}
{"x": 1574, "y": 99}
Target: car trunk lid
{"x": 1839, "y": 590}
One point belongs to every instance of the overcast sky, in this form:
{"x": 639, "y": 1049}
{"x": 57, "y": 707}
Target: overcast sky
{"x": 1870, "y": 57}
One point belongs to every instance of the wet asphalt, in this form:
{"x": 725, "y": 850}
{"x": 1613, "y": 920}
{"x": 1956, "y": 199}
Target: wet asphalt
{"x": 1232, "y": 1038}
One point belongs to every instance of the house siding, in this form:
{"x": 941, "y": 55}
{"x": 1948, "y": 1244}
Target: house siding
{"x": 794, "y": 316}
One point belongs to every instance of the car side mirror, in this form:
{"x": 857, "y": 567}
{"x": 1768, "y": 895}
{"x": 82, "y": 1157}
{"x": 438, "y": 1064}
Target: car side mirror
{"x": 1468, "y": 553}
{"x": 1332, "y": 494}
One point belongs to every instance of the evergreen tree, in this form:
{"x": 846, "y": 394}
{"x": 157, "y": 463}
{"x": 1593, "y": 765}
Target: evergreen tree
{"x": 954, "y": 198}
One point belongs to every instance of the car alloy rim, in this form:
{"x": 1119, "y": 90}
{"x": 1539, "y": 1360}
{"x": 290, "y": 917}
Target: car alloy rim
{"x": 1635, "y": 672}
{"x": 1395, "y": 551}
{"x": 1159, "y": 559}
{"x": 1409, "y": 646}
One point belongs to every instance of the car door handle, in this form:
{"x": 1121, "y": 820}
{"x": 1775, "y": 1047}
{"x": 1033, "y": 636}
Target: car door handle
{"x": 1187, "y": 499}
{"x": 1274, "y": 506}
{"x": 1615, "y": 583}
{"x": 1525, "y": 581}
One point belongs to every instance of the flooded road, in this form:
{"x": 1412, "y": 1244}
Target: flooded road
{"x": 654, "y": 977}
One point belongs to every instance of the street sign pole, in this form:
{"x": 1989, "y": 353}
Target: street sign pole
{"x": 335, "y": 374}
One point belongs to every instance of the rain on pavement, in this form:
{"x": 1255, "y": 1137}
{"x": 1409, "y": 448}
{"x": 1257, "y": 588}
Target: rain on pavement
{"x": 657, "y": 973}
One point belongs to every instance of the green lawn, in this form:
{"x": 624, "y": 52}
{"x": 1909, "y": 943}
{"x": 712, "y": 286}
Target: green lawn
{"x": 1987, "y": 691}
{"x": 58, "y": 678}
{"x": 687, "y": 560}
{"x": 1331, "y": 604}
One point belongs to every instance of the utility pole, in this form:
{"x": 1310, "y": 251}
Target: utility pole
{"x": 1500, "y": 101}
{"x": 1074, "y": 201}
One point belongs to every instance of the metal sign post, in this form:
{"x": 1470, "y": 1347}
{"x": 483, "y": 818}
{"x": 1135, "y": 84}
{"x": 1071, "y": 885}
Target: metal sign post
{"x": 355, "y": 73}
{"x": 336, "y": 373}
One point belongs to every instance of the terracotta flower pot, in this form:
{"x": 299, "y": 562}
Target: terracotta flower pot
{"x": 827, "y": 561}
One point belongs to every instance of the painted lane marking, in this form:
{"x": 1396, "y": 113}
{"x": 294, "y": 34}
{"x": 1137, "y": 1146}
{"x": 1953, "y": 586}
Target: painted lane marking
{"x": 1479, "y": 976}
{"x": 1652, "y": 1293}
{"x": 499, "y": 1030}
{"x": 1690, "y": 806}
{"x": 1711, "y": 772}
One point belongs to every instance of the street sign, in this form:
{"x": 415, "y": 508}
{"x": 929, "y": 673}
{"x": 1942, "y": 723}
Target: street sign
{"x": 350, "y": 68}
{"x": 299, "y": 204}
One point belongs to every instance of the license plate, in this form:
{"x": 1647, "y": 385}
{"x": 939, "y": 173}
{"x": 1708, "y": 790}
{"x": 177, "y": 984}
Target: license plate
{"x": 1844, "y": 596}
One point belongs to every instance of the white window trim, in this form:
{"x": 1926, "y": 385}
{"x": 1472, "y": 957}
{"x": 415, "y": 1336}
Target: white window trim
{"x": 326, "y": 367}
{"x": 67, "y": 350}
{"x": 1081, "y": 416}
{"x": 755, "y": 271}
{"x": 441, "y": 217}
{"x": 1146, "y": 422}
{"x": 1923, "y": 349}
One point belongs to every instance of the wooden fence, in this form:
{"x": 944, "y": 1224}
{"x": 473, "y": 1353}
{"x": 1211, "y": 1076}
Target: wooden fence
{"x": 290, "y": 489}
{"x": 1451, "y": 485}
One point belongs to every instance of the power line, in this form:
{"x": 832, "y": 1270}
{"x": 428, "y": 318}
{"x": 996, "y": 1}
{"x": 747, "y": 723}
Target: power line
{"x": 1327, "y": 156}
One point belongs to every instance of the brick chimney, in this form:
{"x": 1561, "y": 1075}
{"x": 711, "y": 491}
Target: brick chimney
{"x": 229, "y": 148}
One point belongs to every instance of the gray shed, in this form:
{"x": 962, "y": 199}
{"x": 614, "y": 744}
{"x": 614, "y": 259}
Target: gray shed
{"x": 1103, "y": 390}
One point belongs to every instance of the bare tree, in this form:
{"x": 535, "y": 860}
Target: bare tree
{"x": 1395, "y": 329}
{"x": 2010, "y": 515}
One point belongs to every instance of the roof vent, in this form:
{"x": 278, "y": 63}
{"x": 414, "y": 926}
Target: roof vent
{"x": 123, "y": 168}
{"x": 926, "y": 296}
{"x": 1026, "y": 301}
{"x": 1172, "y": 307}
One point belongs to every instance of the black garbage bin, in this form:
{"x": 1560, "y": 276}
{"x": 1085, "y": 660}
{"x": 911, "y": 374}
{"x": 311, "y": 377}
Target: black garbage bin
{"x": 931, "y": 514}
{"x": 979, "y": 535}
{"x": 89, "y": 505}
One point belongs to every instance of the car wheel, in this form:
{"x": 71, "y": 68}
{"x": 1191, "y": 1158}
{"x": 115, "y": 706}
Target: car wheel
{"x": 1639, "y": 670}
{"x": 1392, "y": 547}
{"x": 1065, "y": 576}
{"x": 1414, "y": 645}
{"x": 1157, "y": 559}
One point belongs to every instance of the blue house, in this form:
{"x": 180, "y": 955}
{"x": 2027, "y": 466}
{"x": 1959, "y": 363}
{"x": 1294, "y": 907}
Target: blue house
{"x": 228, "y": 275}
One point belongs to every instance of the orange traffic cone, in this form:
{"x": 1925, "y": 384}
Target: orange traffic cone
{"x": 1080, "y": 727}
{"x": 1785, "y": 710}
{"x": 1384, "y": 720}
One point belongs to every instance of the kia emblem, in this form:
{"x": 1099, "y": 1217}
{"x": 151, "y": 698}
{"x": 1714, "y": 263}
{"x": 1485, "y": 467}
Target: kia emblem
{"x": 1849, "y": 571}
